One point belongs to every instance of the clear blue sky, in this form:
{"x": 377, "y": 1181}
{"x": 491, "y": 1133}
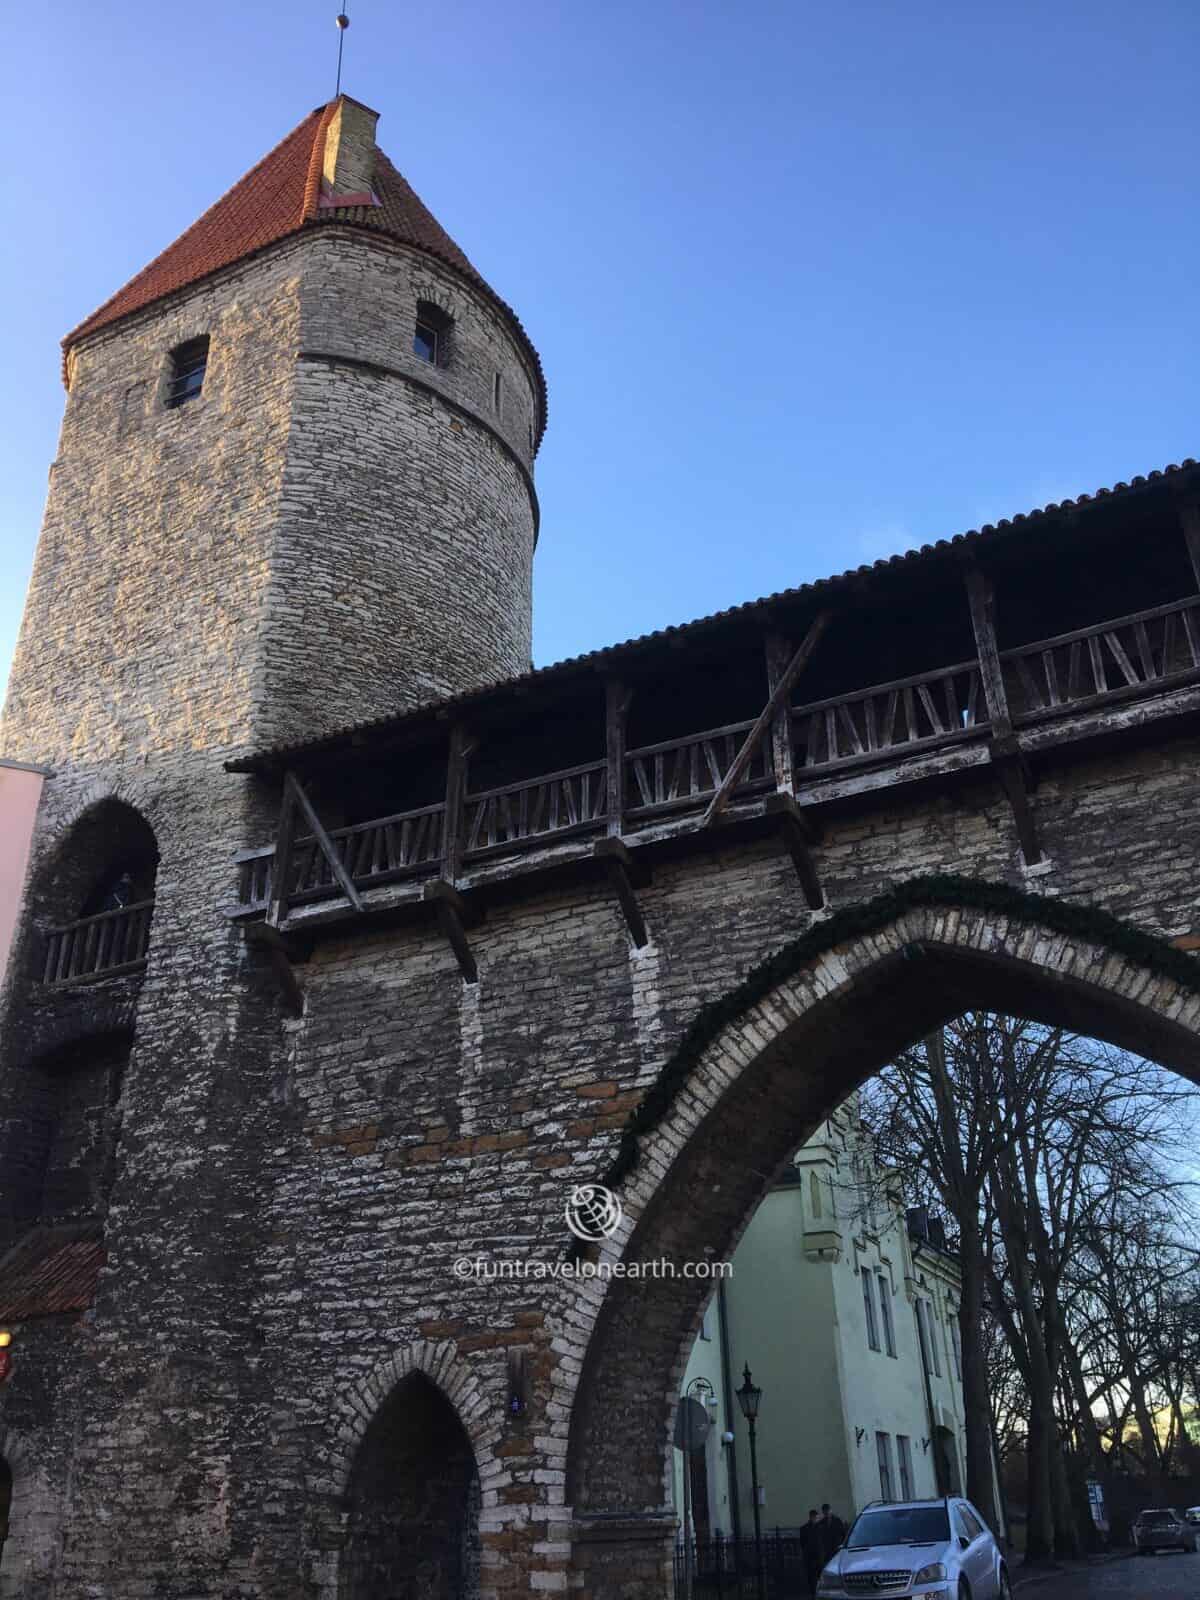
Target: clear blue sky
{"x": 811, "y": 283}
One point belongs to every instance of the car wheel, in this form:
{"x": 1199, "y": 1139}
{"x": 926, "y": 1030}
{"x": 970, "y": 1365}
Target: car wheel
{"x": 964, "y": 1589}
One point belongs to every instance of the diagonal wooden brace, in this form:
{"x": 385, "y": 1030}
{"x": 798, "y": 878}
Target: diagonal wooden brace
{"x": 293, "y": 787}
{"x": 614, "y": 856}
{"x": 455, "y": 916}
{"x": 779, "y": 698}
{"x": 279, "y": 952}
{"x": 798, "y": 835}
{"x": 1009, "y": 761}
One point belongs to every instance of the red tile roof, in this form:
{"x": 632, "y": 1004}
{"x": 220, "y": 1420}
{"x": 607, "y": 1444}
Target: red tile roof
{"x": 50, "y": 1272}
{"x": 279, "y": 197}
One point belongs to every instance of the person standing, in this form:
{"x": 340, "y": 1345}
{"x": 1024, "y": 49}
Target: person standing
{"x": 811, "y": 1547}
{"x": 833, "y": 1531}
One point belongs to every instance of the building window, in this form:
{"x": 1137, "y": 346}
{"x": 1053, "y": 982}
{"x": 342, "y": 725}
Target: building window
{"x": 955, "y": 1336}
{"x": 814, "y": 1192}
{"x": 188, "y": 362}
{"x": 497, "y": 393}
{"x": 929, "y": 1350}
{"x": 904, "y": 1453}
{"x": 869, "y": 1308}
{"x": 885, "y": 1312}
{"x": 431, "y": 336}
{"x": 883, "y": 1449}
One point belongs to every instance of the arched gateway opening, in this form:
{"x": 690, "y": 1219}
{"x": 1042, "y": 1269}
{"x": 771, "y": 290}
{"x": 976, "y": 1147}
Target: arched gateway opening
{"x": 414, "y": 1503}
{"x": 755, "y": 1075}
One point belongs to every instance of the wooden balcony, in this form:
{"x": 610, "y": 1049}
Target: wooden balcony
{"x": 970, "y": 713}
{"x": 102, "y": 946}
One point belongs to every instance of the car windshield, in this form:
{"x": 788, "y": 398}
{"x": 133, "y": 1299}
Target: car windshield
{"x": 900, "y": 1525}
{"x": 1158, "y": 1519}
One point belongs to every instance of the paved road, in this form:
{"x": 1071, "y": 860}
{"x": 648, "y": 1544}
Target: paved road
{"x": 1166, "y": 1576}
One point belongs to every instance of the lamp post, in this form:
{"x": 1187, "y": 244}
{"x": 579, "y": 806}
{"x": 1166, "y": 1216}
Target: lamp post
{"x": 749, "y": 1398}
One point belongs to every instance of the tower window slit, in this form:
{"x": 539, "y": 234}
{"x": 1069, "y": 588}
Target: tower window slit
{"x": 188, "y": 364}
{"x": 431, "y": 335}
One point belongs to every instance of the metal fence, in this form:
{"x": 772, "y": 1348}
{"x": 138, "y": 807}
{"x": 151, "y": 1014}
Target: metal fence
{"x": 708, "y": 1568}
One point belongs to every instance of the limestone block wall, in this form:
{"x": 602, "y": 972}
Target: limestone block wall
{"x": 140, "y": 626}
{"x": 296, "y": 1193}
{"x": 402, "y": 570}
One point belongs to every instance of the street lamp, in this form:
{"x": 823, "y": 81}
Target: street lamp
{"x": 749, "y": 1398}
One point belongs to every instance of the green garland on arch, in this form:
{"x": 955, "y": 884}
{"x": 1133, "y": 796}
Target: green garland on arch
{"x": 1082, "y": 922}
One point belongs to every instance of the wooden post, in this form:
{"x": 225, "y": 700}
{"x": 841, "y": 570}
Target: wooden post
{"x": 617, "y": 696}
{"x": 454, "y": 917}
{"x": 779, "y": 653}
{"x": 778, "y": 697}
{"x": 454, "y": 836}
{"x": 1003, "y": 747}
{"x": 982, "y": 600}
{"x": 1189, "y": 515}
{"x": 798, "y": 837}
{"x": 280, "y": 957}
{"x": 324, "y": 842}
{"x": 617, "y": 861}
{"x": 281, "y": 869}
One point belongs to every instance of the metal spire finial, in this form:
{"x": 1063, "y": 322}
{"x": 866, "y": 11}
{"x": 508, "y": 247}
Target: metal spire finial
{"x": 343, "y": 22}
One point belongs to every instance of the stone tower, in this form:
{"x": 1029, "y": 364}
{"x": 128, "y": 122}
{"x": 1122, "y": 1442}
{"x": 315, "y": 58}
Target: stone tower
{"x": 293, "y": 492}
{"x": 293, "y": 487}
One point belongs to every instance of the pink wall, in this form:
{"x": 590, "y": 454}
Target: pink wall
{"x": 20, "y": 791}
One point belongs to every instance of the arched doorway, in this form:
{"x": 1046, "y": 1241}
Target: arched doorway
{"x": 774, "y": 1060}
{"x": 413, "y": 1502}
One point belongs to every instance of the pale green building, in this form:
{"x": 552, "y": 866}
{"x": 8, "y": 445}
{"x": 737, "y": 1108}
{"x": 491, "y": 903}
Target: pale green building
{"x": 845, "y": 1309}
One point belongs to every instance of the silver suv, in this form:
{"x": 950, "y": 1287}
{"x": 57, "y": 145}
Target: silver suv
{"x": 937, "y": 1549}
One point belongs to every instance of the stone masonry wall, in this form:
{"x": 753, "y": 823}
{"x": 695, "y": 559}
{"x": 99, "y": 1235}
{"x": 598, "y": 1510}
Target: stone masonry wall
{"x": 294, "y": 1194}
{"x": 142, "y": 666}
{"x": 403, "y": 567}
{"x": 139, "y": 631}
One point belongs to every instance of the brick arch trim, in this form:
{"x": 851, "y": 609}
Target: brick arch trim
{"x": 1144, "y": 950}
{"x": 440, "y": 1363}
{"x": 762, "y": 1066}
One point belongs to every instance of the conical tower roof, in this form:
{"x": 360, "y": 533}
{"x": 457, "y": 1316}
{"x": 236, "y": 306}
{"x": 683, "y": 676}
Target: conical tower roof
{"x": 283, "y": 195}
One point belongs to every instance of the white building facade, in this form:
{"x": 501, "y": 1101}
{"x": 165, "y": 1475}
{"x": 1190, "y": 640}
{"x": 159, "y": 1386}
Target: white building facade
{"x": 846, "y": 1311}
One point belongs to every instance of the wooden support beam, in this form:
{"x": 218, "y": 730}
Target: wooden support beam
{"x": 778, "y": 698}
{"x": 617, "y": 696}
{"x": 454, "y": 917}
{"x": 1189, "y": 515}
{"x": 279, "y": 953}
{"x": 1009, "y": 762}
{"x": 281, "y": 866}
{"x": 779, "y": 653}
{"x": 982, "y": 600}
{"x": 797, "y": 835}
{"x": 454, "y": 839}
{"x": 618, "y": 865}
{"x": 341, "y": 876}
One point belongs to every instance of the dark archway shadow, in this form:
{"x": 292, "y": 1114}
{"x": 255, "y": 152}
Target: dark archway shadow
{"x": 6, "y": 1492}
{"x": 413, "y": 1499}
{"x": 763, "y": 1084}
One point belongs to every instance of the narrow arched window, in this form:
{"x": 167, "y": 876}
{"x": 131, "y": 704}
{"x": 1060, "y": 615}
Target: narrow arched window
{"x": 431, "y": 336}
{"x": 188, "y": 364}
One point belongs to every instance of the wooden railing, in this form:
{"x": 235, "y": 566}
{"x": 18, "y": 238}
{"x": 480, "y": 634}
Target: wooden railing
{"x": 1093, "y": 665}
{"x": 101, "y": 946}
{"x": 682, "y": 774}
{"x": 568, "y": 802}
{"x": 678, "y": 777}
{"x": 932, "y": 708}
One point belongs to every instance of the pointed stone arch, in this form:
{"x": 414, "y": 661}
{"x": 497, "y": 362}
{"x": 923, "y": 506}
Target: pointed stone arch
{"x": 755, "y": 1075}
{"x": 421, "y": 1397}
